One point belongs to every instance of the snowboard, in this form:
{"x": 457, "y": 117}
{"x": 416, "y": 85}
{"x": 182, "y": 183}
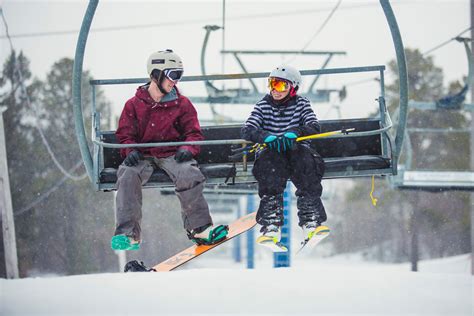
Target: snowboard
{"x": 308, "y": 245}
{"x": 236, "y": 228}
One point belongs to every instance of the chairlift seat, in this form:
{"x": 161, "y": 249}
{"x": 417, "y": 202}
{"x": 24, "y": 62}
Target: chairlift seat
{"x": 212, "y": 160}
{"x": 343, "y": 156}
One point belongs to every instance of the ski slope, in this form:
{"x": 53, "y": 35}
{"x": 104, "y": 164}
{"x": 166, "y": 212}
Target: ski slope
{"x": 337, "y": 286}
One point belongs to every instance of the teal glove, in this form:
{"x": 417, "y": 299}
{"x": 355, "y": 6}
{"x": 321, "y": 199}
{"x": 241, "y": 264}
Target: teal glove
{"x": 272, "y": 142}
{"x": 289, "y": 141}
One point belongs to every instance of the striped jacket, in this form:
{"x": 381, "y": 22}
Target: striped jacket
{"x": 267, "y": 118}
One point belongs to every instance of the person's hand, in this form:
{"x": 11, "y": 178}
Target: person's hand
{"x": 272, "y": 142}
{"x": 183, "y": 155}
{"x": 289, "y": 140}
{"x": 133, "y": 158}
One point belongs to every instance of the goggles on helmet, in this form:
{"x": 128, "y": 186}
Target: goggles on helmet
{"x": 173, "y": 74}
{"x": 278, "y": 84}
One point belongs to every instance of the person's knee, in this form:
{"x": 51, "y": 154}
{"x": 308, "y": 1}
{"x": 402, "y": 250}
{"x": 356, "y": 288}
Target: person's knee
{"x": 189, "y": 178}
{"x": 128, "y": 174}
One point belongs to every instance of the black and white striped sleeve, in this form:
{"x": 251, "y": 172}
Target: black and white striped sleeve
{"x": 309, "y": 123}
{"x": 253, "y": 127}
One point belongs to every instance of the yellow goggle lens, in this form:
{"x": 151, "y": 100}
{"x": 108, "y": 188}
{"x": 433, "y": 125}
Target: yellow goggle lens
{"x": 278, "y": 84}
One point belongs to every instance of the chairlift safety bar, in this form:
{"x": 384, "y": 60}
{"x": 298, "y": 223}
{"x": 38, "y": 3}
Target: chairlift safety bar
{"x": 328, "y": 71}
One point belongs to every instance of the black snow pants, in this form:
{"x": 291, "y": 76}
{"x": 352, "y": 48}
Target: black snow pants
{"x": 305, "y": 168}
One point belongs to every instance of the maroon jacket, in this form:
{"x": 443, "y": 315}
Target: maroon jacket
{"x": 172, "y": 119}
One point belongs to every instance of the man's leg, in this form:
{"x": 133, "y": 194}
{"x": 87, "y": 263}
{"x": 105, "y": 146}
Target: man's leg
{"x": 307, "y": 172}
{"x": 189, "y": 184}
{"x": 129, "y": 198}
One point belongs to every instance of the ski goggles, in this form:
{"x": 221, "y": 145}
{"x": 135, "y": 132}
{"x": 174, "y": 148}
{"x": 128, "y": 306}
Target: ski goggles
{"x": 278, "y": 84}
{"x": 173, "y": 74}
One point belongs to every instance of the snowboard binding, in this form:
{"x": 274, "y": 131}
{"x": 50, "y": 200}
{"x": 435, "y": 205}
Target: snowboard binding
{"x": 137, "y": 266}
{"x": 216, "y": 235}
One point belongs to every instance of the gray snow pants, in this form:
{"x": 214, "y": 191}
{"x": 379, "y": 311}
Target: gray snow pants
{"x": 189, "y": 184}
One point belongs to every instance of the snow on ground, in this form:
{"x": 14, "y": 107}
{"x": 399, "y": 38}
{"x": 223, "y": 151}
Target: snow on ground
{"x": 332, "y": 286}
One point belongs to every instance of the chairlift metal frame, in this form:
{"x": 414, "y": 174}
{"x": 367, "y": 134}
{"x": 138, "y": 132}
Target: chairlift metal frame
{"x": 389, "y": 149}
{"x": 408, "y": 178}
{"x": 245, "y": 96}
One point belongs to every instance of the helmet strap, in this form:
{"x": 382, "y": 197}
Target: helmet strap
{"x": 160, "y": 87}
{"x": 158, "y": 77}
{"x": 293, "y": 91}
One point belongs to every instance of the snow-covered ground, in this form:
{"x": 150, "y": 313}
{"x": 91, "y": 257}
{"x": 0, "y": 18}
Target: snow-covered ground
{"x": 334, "y": 286}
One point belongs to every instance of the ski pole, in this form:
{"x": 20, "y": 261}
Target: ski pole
{"x": 252, "y": 148}
{"x": 313, "y": 136}
{"x": 322, "y": 135}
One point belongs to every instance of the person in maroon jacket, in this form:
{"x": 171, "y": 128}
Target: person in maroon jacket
{"x": 159, "y": 113}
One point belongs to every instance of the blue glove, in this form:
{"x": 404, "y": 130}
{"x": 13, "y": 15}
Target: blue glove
{"x": 272, "y": 142}
{"x": 289, "y": 141}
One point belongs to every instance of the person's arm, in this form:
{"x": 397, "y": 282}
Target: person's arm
{"x": 309, "y": 124}
{"x": 189, "y": 125}
{"x": 127, "y": 131}
{"x": 252, "y": 129}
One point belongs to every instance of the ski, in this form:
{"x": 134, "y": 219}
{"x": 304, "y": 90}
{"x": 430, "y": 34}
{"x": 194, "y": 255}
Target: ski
{"x": 319, "y": 234}
{"x": 270, "y": 243}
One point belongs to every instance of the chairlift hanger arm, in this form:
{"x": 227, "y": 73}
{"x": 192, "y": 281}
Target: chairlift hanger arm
{"x": 470, "y": 61}
{"x": 456, "y": 99}
{"x": 403, "y": 79}
{"x": 77, "y": 87}
{"x": 209, "y": 29}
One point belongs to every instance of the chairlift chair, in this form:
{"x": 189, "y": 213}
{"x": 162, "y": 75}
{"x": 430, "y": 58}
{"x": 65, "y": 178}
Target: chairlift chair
{"x": 408, "y": 178}
{"x": 369, "y": 151}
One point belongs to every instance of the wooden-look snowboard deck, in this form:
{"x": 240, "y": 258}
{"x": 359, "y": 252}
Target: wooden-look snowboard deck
{"x": 236, "y": 228}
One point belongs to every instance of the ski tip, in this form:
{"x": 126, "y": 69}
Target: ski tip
{"x": 322, "y": 230}
{"x": 271, "y": 243}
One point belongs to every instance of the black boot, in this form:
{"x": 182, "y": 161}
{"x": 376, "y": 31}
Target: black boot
{"x": 137, "y": 266}
{"x": 270, "y": 210}
{"x": 310, "y": 209}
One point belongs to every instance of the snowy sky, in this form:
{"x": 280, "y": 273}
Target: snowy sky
{"x": 357, "y": 27}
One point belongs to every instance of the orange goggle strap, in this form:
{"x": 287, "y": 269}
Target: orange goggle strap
{"x": 279, "y": 85}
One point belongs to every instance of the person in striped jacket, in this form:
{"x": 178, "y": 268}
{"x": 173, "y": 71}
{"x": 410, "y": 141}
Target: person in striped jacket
{"x": 277, "y": 121}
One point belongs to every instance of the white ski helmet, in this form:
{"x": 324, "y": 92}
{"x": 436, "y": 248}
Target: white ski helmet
{"x": 162, "y": 60}
{"x": 288, "y": 73}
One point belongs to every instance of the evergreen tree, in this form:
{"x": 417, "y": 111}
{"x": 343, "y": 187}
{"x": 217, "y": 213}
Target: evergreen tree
{"x": 20, "y": 94}
{"x": 73, "y": 220}
{"x": 61, "y": 225}
{"x": 442, "y": 219}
